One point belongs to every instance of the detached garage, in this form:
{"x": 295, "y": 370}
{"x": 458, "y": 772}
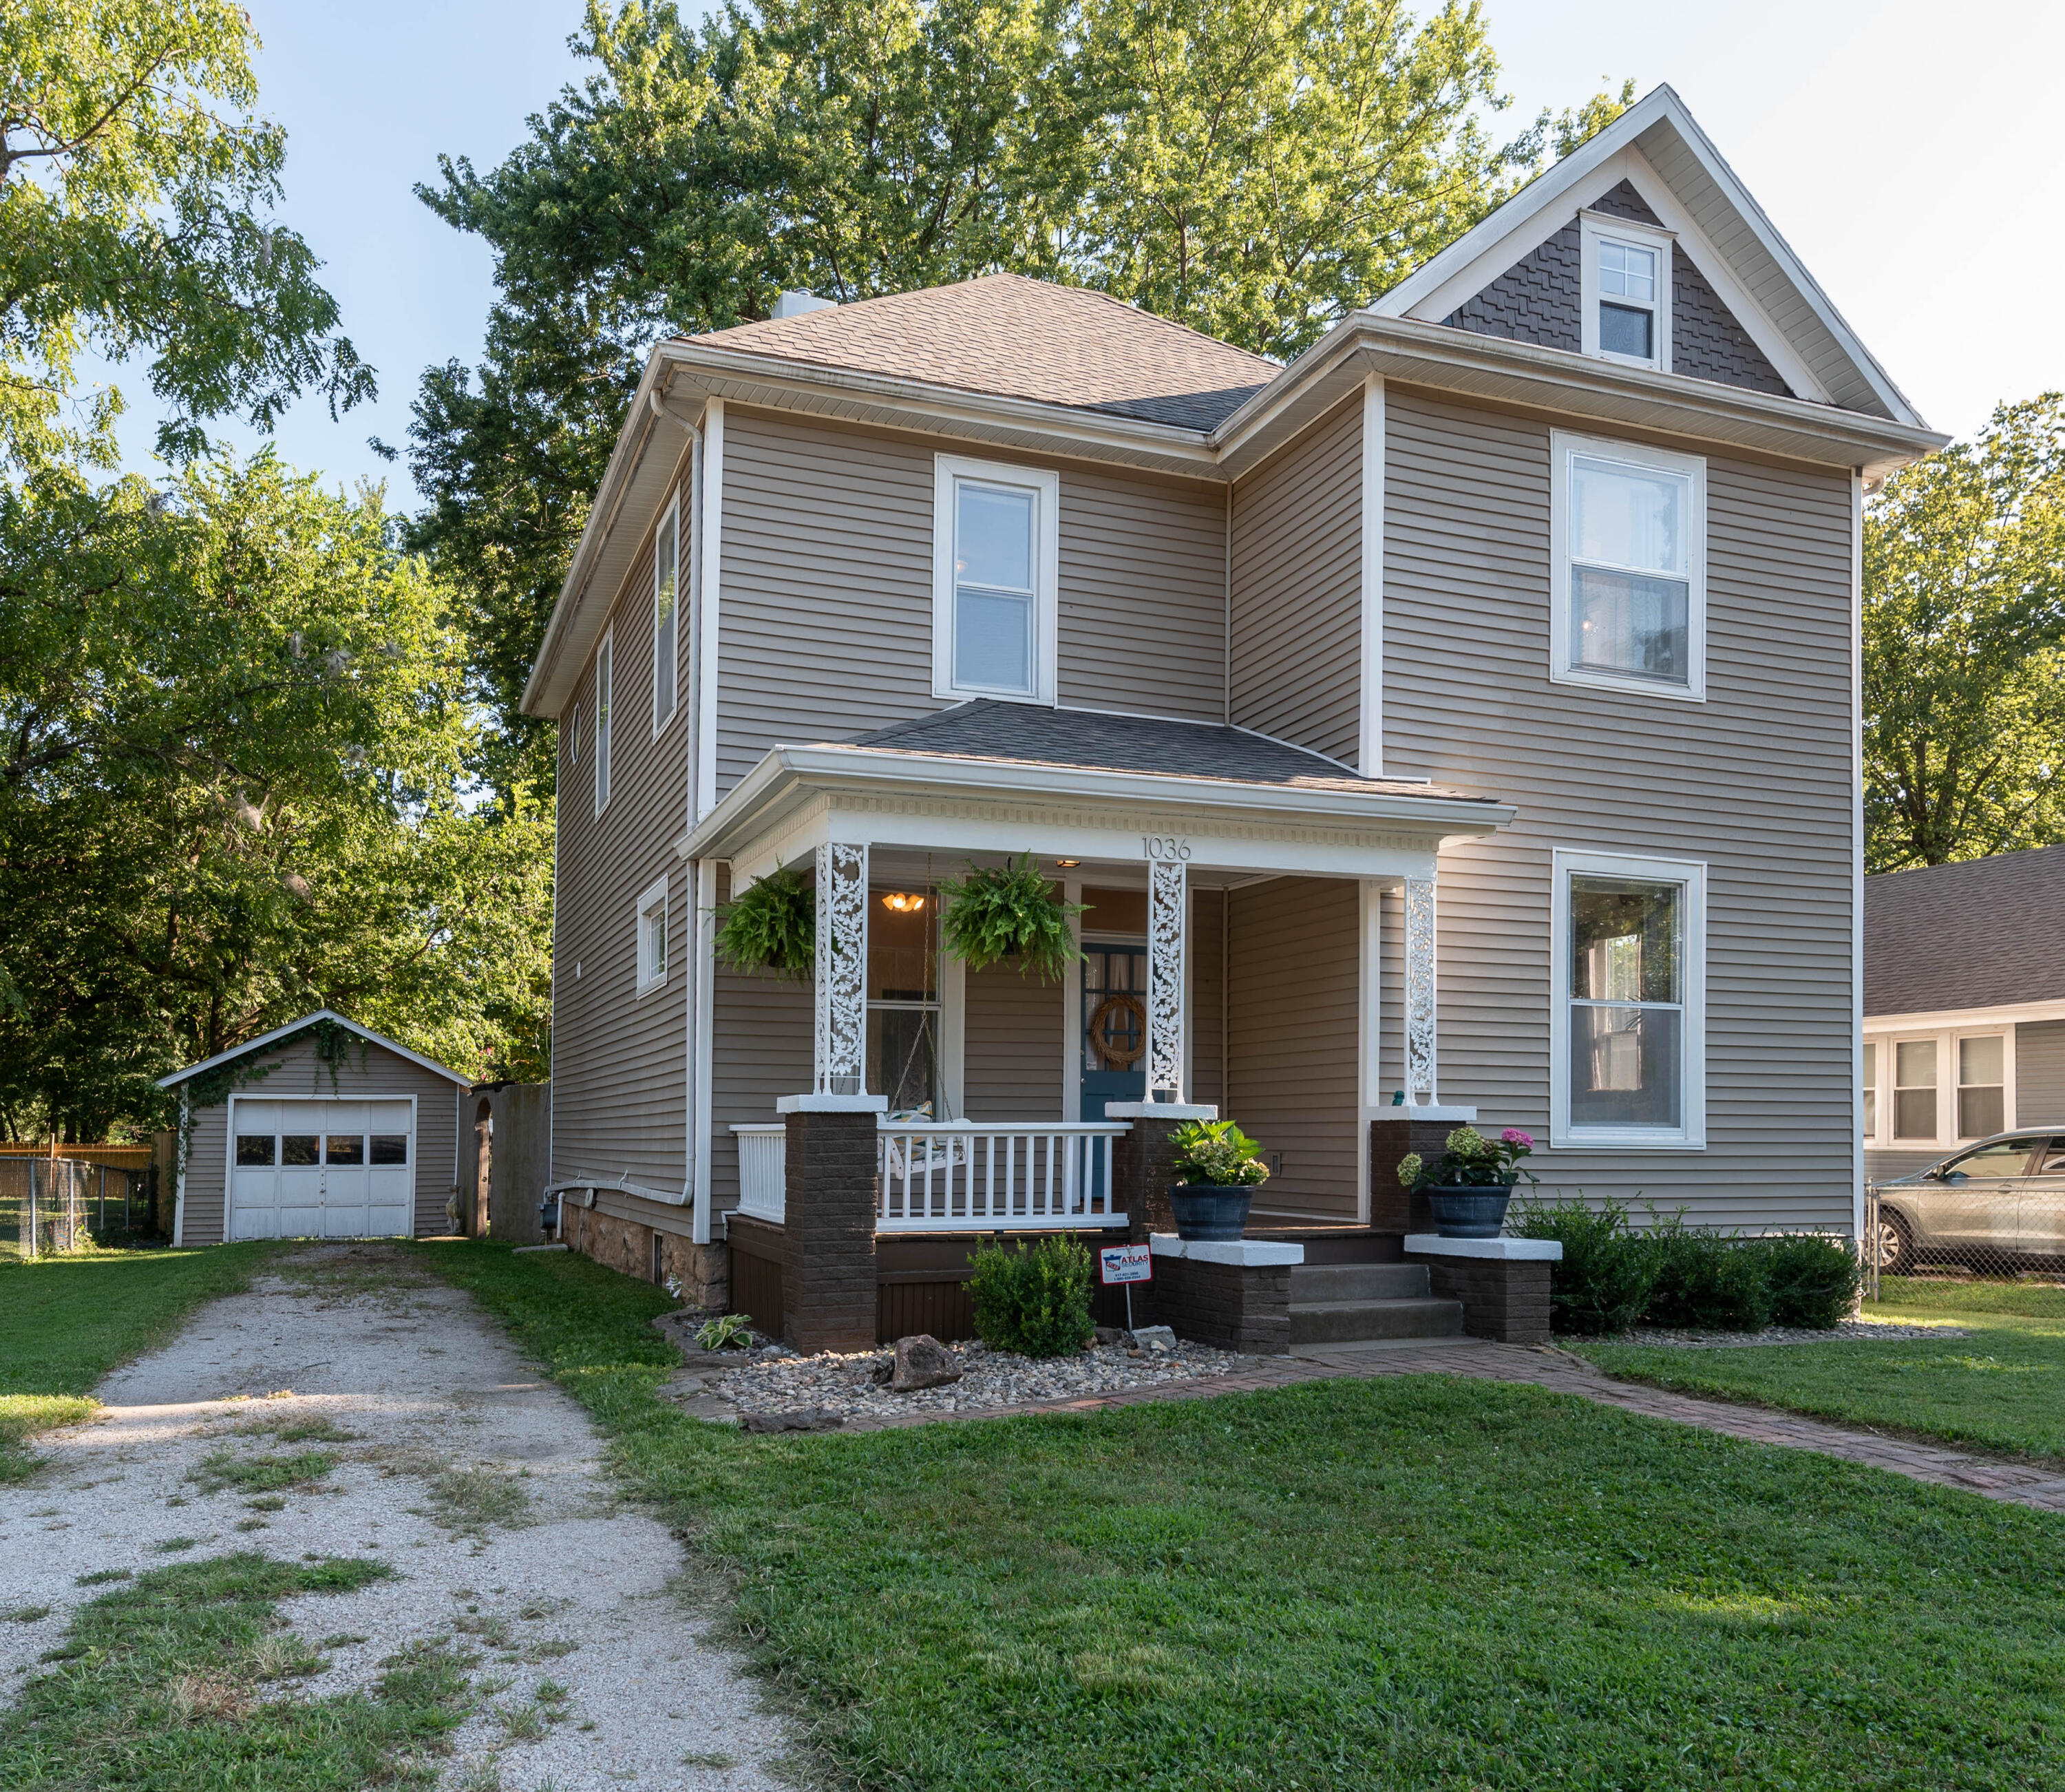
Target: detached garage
{"x": 319, "y": 1129}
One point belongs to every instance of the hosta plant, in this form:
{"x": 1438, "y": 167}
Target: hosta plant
{"x": 1009, "y": 910}
{"x": 770, "y": 926}
{"x": 731, "y": 1331}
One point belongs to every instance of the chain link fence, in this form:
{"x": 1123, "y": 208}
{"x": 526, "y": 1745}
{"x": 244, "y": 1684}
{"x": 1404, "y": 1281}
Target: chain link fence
{"x": 1955, "y": 1229}
{"x": 49, "y": 1205}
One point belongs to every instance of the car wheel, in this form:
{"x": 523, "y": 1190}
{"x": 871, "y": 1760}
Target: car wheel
{"x": 1891, "y": 1243}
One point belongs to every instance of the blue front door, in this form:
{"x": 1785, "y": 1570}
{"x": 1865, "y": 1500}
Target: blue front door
{"x": 1114, "y": 1042}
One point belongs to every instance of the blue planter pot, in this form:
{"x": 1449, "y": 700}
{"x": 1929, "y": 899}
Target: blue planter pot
{"x": 1469, "y": 1213}
{"x": 1204, "y": 1213}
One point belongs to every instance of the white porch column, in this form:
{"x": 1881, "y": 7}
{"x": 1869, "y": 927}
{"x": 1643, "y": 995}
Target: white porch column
{"x": 1419, "y": 992}
{"x": 1168, "y": 919}
{"x": 841, "y": 969}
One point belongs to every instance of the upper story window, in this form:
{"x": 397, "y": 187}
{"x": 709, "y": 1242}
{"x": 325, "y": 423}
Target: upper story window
{"x": 1628, "y": 1032}
{"x": 652, "y": 936}
{"x": 1628, "y": 548}
{"x": 1626, "y": 296}
{"x": 996, "y": 535}
{"x": 602, "y": 671}
{"x": 666, "y": 616}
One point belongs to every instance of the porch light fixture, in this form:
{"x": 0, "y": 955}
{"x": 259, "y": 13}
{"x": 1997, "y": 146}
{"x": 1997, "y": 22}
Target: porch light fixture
{"x": 903, "y": 902}
{"x": 1067, "y": 864}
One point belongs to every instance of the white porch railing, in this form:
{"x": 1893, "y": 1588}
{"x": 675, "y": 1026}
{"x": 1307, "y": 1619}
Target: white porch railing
{"x": 763, "y": 1170}
{"x": 956, "y": 1176}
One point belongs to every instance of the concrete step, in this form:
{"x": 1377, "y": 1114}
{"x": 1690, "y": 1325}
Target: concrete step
{"x": 1352, "y": 1321}
{"x": 1332, "y": 1283}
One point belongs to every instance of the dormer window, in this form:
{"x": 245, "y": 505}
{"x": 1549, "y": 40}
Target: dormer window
{"x": 1627, "y": 292}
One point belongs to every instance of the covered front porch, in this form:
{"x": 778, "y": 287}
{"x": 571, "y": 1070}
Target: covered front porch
{"x": 1257, "y": 932}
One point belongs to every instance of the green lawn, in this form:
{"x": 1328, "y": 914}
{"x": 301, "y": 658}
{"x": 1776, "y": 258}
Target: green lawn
{"x": 66, "y": 1321}
{"x": 1412, "y": 1582}
{"x": 2000, "y": 1388}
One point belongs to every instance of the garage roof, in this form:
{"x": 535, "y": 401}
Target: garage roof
{"x": 309, "y": 1020}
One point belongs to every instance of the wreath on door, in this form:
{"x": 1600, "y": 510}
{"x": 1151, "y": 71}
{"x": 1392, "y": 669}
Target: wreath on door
{"x": 1113, "y": 1052}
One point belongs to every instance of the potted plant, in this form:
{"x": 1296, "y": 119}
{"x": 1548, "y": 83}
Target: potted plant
{"x": 1217, "y": 1167}
{"x": 1009, "y": 910}
{"x": 1468, "y": 1186}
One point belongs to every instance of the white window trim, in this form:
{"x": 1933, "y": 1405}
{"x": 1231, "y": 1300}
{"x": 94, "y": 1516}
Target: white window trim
{"x": 1946, "y": 1038}
{"x": 605, "y": 702}
{"x": 654, "y": 896}
{"x": 670, "y": 518}
{"x": 1596, "y": 227}
{"x": 1562, "y": 446}
{"x": 1691, "y": 873}
{"x": 947, "y": 469}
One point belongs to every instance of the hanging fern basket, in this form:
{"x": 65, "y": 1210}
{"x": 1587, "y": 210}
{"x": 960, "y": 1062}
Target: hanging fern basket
{"x": 1010, "y": 911}
{"x": 771, "y": 926}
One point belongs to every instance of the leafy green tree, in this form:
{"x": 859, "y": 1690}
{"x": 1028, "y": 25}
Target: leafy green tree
{"x": 1964, "y": 646}
{"x": 233, "y": 743}
{"x": 1253, "y": 168}
{"x": 135, "y": 192}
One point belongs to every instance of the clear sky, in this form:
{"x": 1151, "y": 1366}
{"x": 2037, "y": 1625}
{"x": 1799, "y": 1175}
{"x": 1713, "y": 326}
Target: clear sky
{"x": 1907, "y": 150}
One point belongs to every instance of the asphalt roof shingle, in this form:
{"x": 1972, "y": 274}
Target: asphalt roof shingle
{"x": 1027, "y": 734}
{"x": 1012, "y": 336}
{"x": 1981, "y": 933}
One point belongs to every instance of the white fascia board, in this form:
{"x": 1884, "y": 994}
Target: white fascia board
{"x": 2006, "y": 1014}
{"x": 265, "y": 1039}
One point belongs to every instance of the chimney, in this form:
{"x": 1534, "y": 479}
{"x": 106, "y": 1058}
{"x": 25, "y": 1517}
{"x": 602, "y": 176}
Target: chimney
{"x": 799, "y": 305}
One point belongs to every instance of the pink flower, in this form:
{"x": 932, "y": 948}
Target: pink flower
{"x": 1513, "y": 1136}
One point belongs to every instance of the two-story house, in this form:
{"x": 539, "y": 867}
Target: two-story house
{"x": 1464, "y": 715}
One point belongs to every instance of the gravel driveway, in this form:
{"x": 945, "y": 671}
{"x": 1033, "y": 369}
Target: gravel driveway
{"x": 480, "y": 1482}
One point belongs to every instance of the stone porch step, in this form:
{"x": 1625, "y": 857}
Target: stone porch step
{"x": 1355, "y": 1321}
{"x": 1331, "y": 1284}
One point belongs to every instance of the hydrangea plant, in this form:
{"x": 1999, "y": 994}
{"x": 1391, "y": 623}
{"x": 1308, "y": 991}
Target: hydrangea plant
{"x": 1216, "y": 1154}
{"x": 1470, "y": 1161}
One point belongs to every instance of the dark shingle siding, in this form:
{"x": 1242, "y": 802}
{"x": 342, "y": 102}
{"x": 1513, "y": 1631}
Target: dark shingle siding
{"x": 1538, "y": 299}
{"x": 1980, "y": 934}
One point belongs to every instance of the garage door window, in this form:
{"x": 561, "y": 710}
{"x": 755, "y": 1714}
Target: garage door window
{"x": 301, "y": 1148}
{"x": 390, "y": 1147}
{"x": 346, "y": 1148}
{"x": 254, "y": 1151}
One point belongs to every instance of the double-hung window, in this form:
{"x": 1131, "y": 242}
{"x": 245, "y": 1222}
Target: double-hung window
{"x": 1628, "y": 567}
{"x": 652, "y": 936}
{"x": 903, "y": 1001}
{"x": 1944, "y": 1085}
{"x": 995, "y": 535}
{"x": 666, "y": 616}
{"x": 1628, "y": 1033}
{"x": 1626, "y": 290}
{"x": 602, "y": 672}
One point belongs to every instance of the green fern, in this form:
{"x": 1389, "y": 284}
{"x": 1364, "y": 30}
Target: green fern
{"x": 1010, "y": 911}
{"x": 771, "y": 926}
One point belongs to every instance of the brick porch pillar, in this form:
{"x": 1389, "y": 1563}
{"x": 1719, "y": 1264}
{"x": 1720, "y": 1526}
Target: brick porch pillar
{"x": 828, "y": 1271}
{"x": 1140, "y": 1160}
{"x": 1393, "y": 1207}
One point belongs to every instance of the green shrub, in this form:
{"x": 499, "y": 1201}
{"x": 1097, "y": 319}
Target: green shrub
{"x": 1602, "y": 1283}
{"x": 1036, "y": 1301}
{"x": 1705, "y": 1281}
{"x": 1812, "y": 1279}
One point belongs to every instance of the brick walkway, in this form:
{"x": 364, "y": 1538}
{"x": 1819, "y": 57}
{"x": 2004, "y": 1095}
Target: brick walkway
{"x": 2016, "y": 1483}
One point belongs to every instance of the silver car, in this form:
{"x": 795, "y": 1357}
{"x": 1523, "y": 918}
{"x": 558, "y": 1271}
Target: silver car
{"x": 2002, "y": 1197}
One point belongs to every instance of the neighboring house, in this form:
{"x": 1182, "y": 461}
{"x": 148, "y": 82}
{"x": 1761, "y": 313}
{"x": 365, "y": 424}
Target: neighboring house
{"x": 1527, "y": 594}
{"x": 1964, "y": 1006}
{"x": 319, "y": 1129}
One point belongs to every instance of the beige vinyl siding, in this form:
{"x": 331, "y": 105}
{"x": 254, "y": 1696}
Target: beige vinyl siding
{"x": 1756, "y": 783}
{"x": 1012, "y": 1056}
{"x": 825, "y": 605}
{"x": 2039, "y": 1074}
{"x": 619, "y": 1102}
{"x": 1297, "y": 589}
{"x": 295, "y": 1069}
{"x": 1291, "y": 1045}
{"x": 761, "y": 1030}
{"x": 1207, "y": 1005}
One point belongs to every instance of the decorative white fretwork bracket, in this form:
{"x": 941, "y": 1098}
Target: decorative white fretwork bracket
{"x": 1168, "y": 890}
{"x": 842, "y": 969}
{"x": 1420, "y": 990}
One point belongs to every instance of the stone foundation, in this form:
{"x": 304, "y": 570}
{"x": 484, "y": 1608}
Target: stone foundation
{"x": 627, "y": 1246}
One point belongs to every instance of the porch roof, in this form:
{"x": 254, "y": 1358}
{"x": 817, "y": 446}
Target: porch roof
{"x": 1032, "y": 774}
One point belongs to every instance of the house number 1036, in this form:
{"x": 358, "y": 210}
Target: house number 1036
{"x": 1164, "y": 845}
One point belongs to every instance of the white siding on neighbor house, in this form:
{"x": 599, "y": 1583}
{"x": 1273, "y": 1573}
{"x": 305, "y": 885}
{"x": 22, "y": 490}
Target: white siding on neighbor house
{"x": 1297, "y": 589}
{"x": 825, "y": 609}
{"x": 295, "y": 1069}
{"x": 2039, "y": 1074}
{"x": 1756, "y": 783}
{"x": 1292, "y": 1034}
{"x": 619, "y": 1106}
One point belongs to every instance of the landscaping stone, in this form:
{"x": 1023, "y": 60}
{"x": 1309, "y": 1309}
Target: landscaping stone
{"x": 1153, "y": 1337}
{"x": 805, "y": 1418}
{"x": 923, "y": 1362}
{"x": 1848, "y": 1331}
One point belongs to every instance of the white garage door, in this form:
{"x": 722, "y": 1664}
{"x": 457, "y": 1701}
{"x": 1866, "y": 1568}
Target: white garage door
{"x": 321, "y": 1169}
